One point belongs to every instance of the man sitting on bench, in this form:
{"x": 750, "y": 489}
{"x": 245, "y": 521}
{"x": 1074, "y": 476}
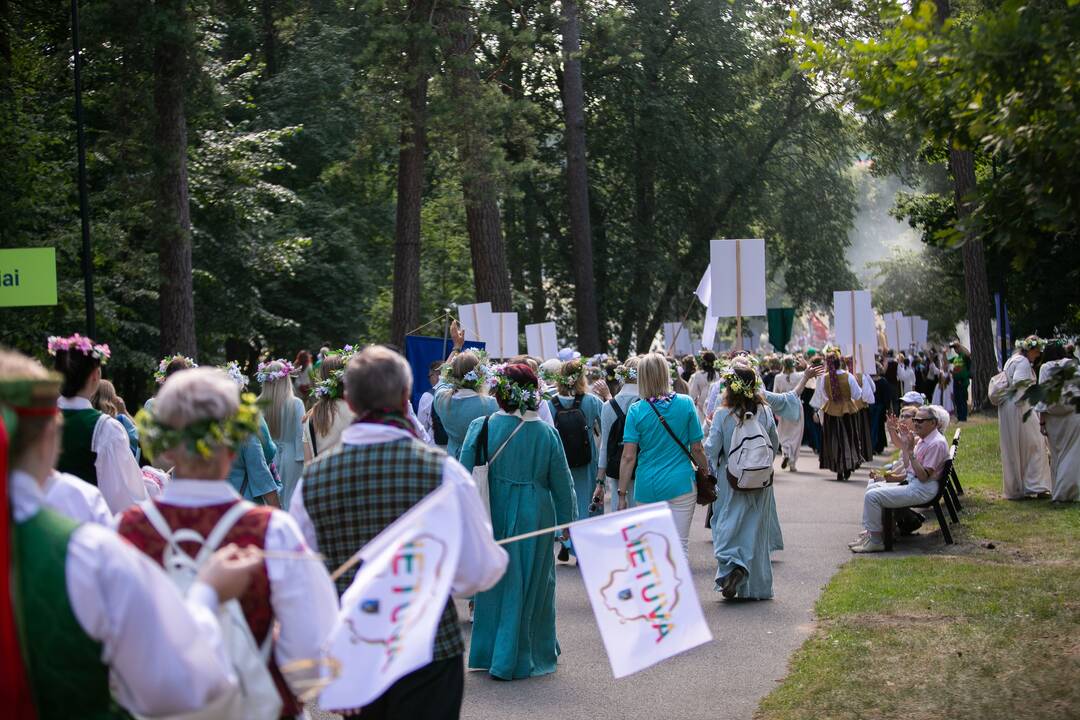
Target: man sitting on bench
{"x": 921, "y": 462}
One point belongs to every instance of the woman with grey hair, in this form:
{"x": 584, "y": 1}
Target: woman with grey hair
{"x": 924, "y": 451}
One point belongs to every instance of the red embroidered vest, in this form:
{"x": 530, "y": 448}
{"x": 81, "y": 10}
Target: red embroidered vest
{"x": 250, "y": 529}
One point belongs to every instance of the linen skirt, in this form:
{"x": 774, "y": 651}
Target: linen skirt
{"x": 840, "y": 450}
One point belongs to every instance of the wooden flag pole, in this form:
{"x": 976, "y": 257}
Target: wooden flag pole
{"x": 446, "y": 335}
{"x": 738, "y": 295}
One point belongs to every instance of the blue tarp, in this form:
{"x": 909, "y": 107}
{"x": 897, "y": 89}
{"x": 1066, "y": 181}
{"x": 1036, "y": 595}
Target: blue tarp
{"x": 421, "y": 351}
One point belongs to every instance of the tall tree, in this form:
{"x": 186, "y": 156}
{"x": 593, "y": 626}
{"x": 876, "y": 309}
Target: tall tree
{"x": 171, "y": 221}
{"x": 477, "y": 156}
{"x": 410, "y": 179}
{"x": 577, "y": 181}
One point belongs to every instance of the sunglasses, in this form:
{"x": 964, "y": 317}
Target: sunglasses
{"x": 921, "y": 420}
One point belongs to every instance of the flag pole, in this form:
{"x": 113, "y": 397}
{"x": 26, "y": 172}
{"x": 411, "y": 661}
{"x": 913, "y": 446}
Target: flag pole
{"x": 738, "y": 295}
{"x": 446, "y": 333}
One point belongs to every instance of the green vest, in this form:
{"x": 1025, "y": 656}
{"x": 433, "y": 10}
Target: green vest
{"x": 76, "y": 457}
{"x": 67, "y": 676}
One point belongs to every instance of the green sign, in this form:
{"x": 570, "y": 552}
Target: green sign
{"x": 27, "y": 277}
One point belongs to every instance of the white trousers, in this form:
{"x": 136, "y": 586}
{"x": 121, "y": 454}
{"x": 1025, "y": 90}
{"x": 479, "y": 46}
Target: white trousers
{"x": 891, "y": 495}
{"x": 682, "y": 509}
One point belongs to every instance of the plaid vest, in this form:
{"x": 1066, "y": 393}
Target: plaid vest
{"x": 352, "y": 494}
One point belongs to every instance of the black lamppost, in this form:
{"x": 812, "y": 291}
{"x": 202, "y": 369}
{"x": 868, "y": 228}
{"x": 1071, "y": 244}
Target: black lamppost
{"x": 84, "y": 210}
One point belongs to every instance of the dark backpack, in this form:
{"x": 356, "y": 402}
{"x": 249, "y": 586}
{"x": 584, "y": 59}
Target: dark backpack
{"x": 574, "y": 431}
{"x": 615, "y": 441}
{"x": 437, "y": 429}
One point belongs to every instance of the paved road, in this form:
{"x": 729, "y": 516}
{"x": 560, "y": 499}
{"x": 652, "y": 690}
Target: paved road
{"x": 752, "y": 640}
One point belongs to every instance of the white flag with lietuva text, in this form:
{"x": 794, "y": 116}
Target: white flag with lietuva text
{"x": 639, "y": 584}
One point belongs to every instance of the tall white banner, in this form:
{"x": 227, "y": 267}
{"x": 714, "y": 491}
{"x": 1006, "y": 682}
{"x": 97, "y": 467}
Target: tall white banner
{"x": 704, "y": 288}
{"x": 640, "y": 587}
{"x": 503, "y": 343}
{"x": 541, "y": 341}
{"x": 920, "y": 328}
{"x": 389, "y": 615}
{"x": 737, "y": 264}
{"x": 677, "y": 339}
{"x": 476, "y": 320}
{"x": 853, "y": 323}
{"x": 708, "y": 333}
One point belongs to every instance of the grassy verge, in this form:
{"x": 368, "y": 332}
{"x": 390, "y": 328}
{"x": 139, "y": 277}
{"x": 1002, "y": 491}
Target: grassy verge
{"x": 989, "y": 627}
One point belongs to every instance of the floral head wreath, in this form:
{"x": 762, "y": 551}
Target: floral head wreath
{"x": 266, "y": 375}
{"x": 1031, "y": 343}
{"x": 511, "y": 392}
{"x": 832, "y": 350}
{"x": 569, "y": 376}
{"x": 232, "y": 369}
{"x": 474, "y": 379}
{"x": 333, "y": 387}
{"x": 203, "y": 436}
{"x": 737, "y": 385}
{"x": 79, "y": 343}
{"x": 159, "y": 374}
{"x": 597, "y": 360}
{"x": 626, "y": 374}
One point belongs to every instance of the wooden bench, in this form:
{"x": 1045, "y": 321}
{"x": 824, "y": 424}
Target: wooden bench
{"x": 942, "y": 495}
{"x": 954, "y": 477}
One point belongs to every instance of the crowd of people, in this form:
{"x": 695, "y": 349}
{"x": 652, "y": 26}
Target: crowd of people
{"x": 281, "y": 488}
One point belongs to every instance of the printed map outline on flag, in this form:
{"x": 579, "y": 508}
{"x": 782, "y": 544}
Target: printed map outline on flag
{"x": 643, "y": 590}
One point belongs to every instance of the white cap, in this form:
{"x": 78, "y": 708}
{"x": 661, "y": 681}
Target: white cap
{"x": 913, "y": 398}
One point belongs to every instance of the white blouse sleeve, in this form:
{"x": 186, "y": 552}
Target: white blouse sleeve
{"x": 77, "y": 499}
{"x": 482, "y": 562}
{"x": 856, "y": 388}
{"x": 165, "y": 654}
{"x": 544, "y": 413}
{"x": 300, "y": 515}
{"x": 118, "y": 475}
{"x": 818, "y": 401}
{"x": 304, "y": 599}
{"x": 423, "y": 412}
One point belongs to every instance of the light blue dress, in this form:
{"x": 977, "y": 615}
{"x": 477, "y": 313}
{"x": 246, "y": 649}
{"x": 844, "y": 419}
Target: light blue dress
{"x": 290, "y": 449}
{"x": 250, "y": 466}
{"x": 457, "y": 411}
{"x": 585, "y": 476}
{"x": 742, "y": 526}
{"x": 531, "y": 488}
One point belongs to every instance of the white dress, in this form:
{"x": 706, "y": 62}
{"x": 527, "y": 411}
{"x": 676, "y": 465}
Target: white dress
{"x": 1024, "y": 465}
{"x": 1063, "y": 436}
{"x": 943, "y": 393}
{"x": 790, "y": 431}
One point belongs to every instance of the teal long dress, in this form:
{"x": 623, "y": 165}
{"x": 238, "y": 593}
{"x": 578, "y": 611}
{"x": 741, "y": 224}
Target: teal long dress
{"x": 513, "y": 632}
{"x": 457, "y": 411}
{"x": 743, "y": 525}
{"x": 585, "y": 476}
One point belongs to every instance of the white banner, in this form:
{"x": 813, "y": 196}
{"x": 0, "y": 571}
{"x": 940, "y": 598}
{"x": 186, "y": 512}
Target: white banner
{"x": 640, "y": 587}
{"x": 708, "y": 333}
{"x": 748, "y": 275}
{"x": 389, "y": 615}
{"x": 504, "y": 342}
{"x": 853, "y": 322}
{"x": 919, "y": 330}
{"x": 683, "y": 342}
{"x": 477, "y": 321}
{"x": 541, "y": 341}
{"x": 704, "y": 288}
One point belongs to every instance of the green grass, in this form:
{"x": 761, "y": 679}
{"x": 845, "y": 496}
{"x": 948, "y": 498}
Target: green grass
{"x": 964, "y": 631}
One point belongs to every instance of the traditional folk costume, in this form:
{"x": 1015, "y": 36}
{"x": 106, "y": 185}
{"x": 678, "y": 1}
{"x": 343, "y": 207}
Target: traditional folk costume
{"x": 836, "y": 396}
{"x": 863, "y": 423}
{"x": 347, "y": 498}
{"x": 790, "y": 432}
{"x": 1024, "y": 465}
{"x": 531, "y": 488}
{"x": 457, "y": 409}
{"x": 585, "y": 476}
{"x": 95, "y": 448}
{"x": 1063, "y": 436}
{"x": 942, "y": 389}
{"x": 76, "y": 499}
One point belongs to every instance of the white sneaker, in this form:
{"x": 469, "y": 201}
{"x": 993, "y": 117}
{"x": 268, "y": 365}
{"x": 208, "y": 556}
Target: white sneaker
{"x": 869, "y": 546}
{"x": 859, "y": 540}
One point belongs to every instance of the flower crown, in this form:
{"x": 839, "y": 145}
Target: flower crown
{"x": 333, "y": 387}
{"x": 511, "y": 392}
{"x": 1032, "y": 343}
{"x": 79, "y": 343}
{"x": 737, "y": 385}
{"x": 474, "y": 379}
{"x": 201, "y": 437}
{"x": 159, "y": 374}
{"x": 832, "y": 350}
{"x": 265, "y": 375}
{"x": 232, "y": 369}
{"x": 626, "y": 374}
{"x": 597, "y": 360}
{"x": 568, "y": 376}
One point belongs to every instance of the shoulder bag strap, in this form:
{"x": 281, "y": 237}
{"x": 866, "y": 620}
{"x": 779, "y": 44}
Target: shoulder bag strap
{"x": 619, "y": 414}
{"x": 506, "y": 442}
{"x": 481, "y": 441}
{"x": 311, "y": 432}
{"x": 672, "y": 434}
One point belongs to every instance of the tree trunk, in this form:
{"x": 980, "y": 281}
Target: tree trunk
{"x": 482, "y": 219}
{"x": 976, "y": 286}
{"x": 410, "y": 182}
{"x": 172, "y": 213}
{"x": 577, "y": 182}
{"x": 270, "y": 50}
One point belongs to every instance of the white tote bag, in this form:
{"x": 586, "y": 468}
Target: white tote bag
{"x": 480, "y": 472}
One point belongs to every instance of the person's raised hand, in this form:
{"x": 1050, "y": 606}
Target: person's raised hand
{"x": 457, "y": 335}
{"x": 229, "y": 570}
{"x": 814, "y": 371}
{"x": 600, "y": 389}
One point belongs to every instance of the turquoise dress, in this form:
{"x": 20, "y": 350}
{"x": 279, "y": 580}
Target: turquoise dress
{"x": 585, "y": 476}
{"x": 457, "y": 411}
{"x": 513, "y": 632}
{"x": 742, "y": 527}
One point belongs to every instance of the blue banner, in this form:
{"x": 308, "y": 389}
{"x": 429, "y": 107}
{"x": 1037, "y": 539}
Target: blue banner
{"x": 421, "y": 351}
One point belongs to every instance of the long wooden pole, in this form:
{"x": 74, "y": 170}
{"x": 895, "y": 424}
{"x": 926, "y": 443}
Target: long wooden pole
{"x": 738, "y": 295}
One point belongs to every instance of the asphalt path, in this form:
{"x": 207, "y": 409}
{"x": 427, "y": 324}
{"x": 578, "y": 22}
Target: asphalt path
{"x": 753, "y": 640}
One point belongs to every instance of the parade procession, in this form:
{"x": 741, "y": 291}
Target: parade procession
{"x": 402, "y": 361}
